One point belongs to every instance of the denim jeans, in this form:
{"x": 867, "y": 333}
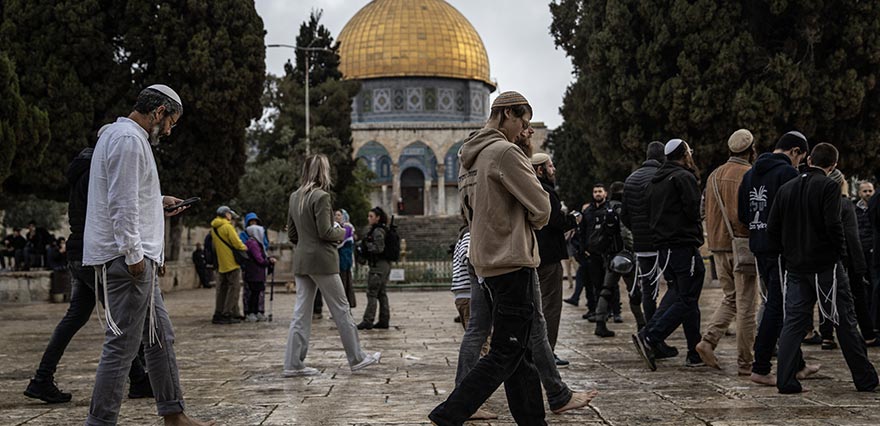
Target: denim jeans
{"x": 684, "y": 273}
{"x": 82, "y": 303}
{"x": 129, "y": 306}
{"x": 771, "y": 322}
{"x": 800, "y": 297}
{"x": 509, "y": 360}
{"x": 580, "y": 285}
{"x": 478, "y": 329}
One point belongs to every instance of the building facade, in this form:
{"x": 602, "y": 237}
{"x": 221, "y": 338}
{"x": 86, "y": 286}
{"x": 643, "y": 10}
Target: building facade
{"x": 425, "y": 87}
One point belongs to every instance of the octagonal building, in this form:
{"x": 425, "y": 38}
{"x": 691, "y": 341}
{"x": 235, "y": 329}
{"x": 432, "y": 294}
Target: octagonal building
{"x": 425, "y": 86}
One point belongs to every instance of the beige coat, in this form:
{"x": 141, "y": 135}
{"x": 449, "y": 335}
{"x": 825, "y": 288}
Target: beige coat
{"x": 313, "y": 234}
{"x": 504, "y": 203}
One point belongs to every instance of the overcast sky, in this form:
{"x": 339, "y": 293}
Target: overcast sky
{"x": 522, "y": 55}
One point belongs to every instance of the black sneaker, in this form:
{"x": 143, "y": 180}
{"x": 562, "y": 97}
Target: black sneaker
{"x": 618, "y": 319}
{"x": 381, "y": 325}
{"x": 693, "y": 360}
{"x": 571, "y": 302}
{"x": 664, "y": 351}
{"x": 815, "y": 339}
{"x": 46, "y": 391}
{"x": 561, "y": 363}
{"x": 645, "y": 350}
{"x": 141, "y": 389}
{"x": 829, "y": 345}
{"x": 365, "y": 325}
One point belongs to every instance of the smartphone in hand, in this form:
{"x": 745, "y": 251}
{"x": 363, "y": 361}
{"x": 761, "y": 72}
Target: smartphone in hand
{"x": 184, "y": 203}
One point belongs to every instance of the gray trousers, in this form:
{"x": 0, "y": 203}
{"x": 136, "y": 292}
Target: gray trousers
{"x": 551, "y": 298}
{"x": 128, "y": 301}
{"x": 228, "y": 294}
{"x": 301, "y": 325}
{"x": 480, "y": 327}
{"x": 377, "y": 283}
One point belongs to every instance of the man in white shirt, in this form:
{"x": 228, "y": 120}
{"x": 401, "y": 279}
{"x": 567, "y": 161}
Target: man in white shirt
{"x": 124, "y": 242}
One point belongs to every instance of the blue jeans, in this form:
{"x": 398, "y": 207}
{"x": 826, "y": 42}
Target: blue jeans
{"x": 480, "y": 325}
{"x": 684, "y": 274}
{"x": 82, "y": 303}
{"x": 509, "y": 360}
{"x": 800, "y": 297}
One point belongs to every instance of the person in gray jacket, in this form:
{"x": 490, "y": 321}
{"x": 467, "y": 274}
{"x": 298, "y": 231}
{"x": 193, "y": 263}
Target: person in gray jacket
{"x": 314, "y": 235}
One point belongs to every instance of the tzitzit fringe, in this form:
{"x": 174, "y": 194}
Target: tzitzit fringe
{"x": 111, "y": 324}
{"x": 154, "y": 282}
{"x": 639, "y": 276}
{"x": 823, "y": 297}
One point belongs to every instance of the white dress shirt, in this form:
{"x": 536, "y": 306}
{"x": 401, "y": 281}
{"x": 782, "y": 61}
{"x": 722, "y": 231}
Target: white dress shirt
{"x": 124, "y": 216}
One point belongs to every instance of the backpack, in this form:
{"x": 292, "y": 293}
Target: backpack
{"x": 392, "y": 243}
{"x": 605, "y": 236}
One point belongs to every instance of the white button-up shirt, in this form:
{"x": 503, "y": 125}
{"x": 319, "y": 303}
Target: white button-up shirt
{"x": 124, "y": 216}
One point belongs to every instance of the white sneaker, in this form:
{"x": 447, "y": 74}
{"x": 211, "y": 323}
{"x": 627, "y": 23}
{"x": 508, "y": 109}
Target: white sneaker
{"x": 251, "y": 318}
{"x": 261, "y": 318}
{"x": 305, "y": 371}
{"x": 368, "y": 361}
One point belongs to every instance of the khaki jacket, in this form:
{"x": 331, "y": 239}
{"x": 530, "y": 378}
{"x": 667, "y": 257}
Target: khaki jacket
{"x": 729, "y": 176}
{"x": 504, "y": 203}
{"x": 310, "y": 229}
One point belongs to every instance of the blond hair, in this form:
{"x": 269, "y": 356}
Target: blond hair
{"x": 315, "y": 175}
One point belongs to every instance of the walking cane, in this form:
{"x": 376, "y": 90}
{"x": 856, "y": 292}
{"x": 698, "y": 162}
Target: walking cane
{"x": 271, "y": 294}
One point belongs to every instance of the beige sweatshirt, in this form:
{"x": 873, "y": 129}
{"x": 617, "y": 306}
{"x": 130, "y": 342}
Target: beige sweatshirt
{"x": 504, "y": 203}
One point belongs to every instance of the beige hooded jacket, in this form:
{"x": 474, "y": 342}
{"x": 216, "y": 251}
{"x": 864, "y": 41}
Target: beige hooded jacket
{"x": 504, "y": 203}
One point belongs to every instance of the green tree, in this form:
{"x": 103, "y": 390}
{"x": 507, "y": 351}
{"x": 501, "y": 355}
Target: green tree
{"x": 264, "y": 189}
{"x": 212, "y": 53}
{"x": 575, "y": 184}
{"x": 22, "y": 209}
{"x": 654, "y": 70}
{"x": 21, "y": 126}
{"x": 69, "y": 65}
{"x": 282, "y": 133}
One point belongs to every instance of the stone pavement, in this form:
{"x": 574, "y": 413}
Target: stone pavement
{"x": 232, "y": 373}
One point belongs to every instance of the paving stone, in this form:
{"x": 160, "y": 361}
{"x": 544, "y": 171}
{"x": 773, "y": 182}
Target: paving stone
{"x": 233, "y": 373}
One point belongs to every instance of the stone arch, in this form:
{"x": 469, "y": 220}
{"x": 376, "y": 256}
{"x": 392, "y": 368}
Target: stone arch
{"x": 378, "y": 160}
{"x": 421, "y": 156}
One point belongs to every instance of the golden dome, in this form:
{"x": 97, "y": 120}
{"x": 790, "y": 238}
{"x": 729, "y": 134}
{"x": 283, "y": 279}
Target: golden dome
{"x": 412, "y": 38}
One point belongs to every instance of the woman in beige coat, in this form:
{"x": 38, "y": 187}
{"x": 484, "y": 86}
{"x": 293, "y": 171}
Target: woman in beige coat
{"x": 314, "y": 235}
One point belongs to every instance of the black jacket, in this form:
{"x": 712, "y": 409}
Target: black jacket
{"x": 551, "y": 238}
{"x": 591, "y": 215}
{"x": 78, "y": 179}
{"x": 866, "y": 230}
{"x": 854, "y": 257}
{"x": 636, "y": 208}
{"x": 674, "y": 197}
{"x": 805, "y": 223}
{"x": 756, "y": 194}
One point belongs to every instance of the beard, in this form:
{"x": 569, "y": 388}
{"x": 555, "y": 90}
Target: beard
{"x": 525, "y": 144}
{"x": 154, "y": 135}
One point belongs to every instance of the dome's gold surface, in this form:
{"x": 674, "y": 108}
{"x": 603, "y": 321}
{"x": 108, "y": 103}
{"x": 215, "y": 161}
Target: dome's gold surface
{"x": 412, "y": 38}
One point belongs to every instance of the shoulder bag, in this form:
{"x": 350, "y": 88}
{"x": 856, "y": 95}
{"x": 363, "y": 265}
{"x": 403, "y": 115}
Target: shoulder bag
{"x": 743, "y": 258}
{"x": 240, "y": 256}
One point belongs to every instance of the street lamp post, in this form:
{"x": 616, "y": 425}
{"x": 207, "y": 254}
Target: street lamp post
{"x": 308, "y": 49}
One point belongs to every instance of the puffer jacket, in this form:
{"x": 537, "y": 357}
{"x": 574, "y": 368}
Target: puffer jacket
{"x": 636, "y": 207}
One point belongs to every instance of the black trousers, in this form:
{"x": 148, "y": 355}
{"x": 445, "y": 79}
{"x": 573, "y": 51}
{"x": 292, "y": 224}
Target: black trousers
{"x": 82, "y": 303}
{"x": 509, "y": 360}
{"x": 800, "y": 297}
{"x": 770, "y": 269}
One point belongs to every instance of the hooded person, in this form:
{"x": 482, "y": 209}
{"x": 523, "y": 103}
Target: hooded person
{"x": 675, "y": 222}
{"x": 254, "y": 273}
{"x": 756, "y": 196}
{"x": 346, "y": 255}
{"x": 504, "y": 204}
{"x": 253, "y": 228}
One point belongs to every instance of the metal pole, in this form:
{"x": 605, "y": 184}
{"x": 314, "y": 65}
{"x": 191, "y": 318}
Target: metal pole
{"x": 308, "y": 141}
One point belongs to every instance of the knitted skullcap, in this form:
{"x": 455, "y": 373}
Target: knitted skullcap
{"x": 540, "y": 158}
{"x": 740, "y": 141}
{"x": 509, "y": 99}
